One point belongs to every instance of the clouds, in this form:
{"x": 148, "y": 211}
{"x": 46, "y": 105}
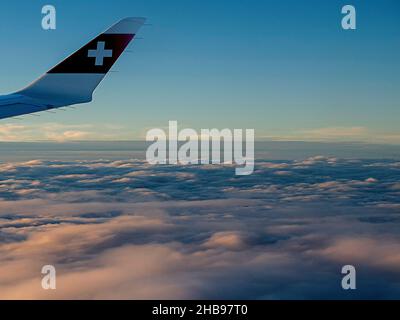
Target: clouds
{"x": 332, "y": 133}
{"x": 338, "y": 134}
{"x": 59, "y": 132}
{"x": 8, "y": 131}
{"x": 228, "y": 239}
{"x": 124, "y": 229}
{"x": 386, "y": 253}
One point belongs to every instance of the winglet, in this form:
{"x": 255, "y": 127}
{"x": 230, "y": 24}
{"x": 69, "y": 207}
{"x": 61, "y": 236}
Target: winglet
{"x": 127, "y": 26}
{"x": 74, "y": 79}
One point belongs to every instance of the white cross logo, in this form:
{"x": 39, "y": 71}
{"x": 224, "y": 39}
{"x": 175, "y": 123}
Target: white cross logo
{"x": 100, "y": 53}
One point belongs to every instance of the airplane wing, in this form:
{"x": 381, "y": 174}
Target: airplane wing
{"x": 73, "y": 80}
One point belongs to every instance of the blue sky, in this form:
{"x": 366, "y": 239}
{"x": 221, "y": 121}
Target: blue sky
{"x": 284, "y": 68}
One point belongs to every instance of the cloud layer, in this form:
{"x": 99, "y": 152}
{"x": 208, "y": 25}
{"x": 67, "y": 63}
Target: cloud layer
{"x": 124, "y": 229}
